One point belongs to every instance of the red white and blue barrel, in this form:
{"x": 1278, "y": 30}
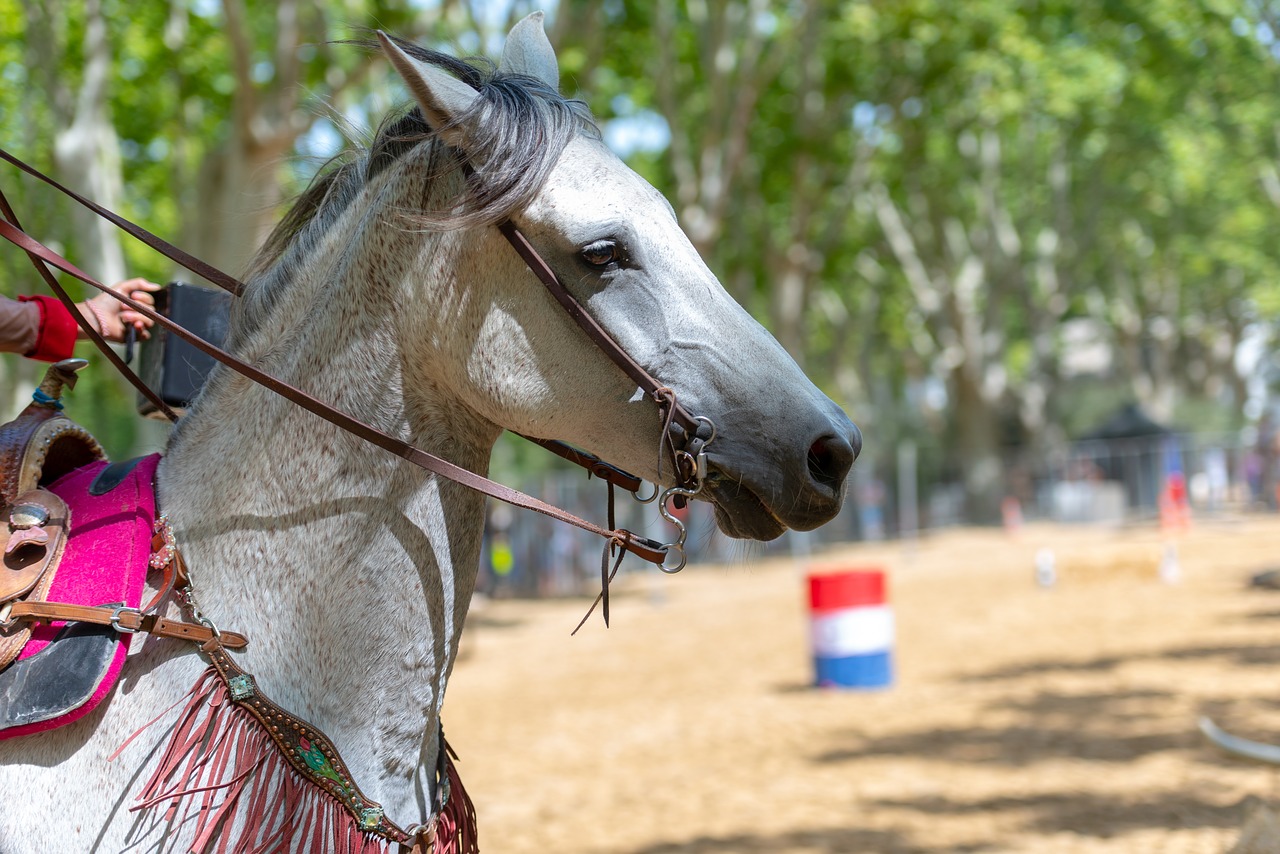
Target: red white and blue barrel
{"x": 851, "y": 627}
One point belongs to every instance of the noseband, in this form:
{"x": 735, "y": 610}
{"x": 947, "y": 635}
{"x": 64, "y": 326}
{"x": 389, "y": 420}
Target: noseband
{"x": 682, "y": 443}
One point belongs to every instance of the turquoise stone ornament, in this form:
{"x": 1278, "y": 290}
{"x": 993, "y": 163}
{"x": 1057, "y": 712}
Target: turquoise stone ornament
{"x": 241, "y": 687}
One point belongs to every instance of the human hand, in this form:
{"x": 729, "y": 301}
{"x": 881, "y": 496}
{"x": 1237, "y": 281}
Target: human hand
{"x": 113, "y": 318}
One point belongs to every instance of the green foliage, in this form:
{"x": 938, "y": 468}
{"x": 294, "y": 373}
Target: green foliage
{"x": 171, "y": 98}
{"x": 1133, "y": 140}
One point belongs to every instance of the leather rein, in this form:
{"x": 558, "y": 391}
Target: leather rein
{"x": 683, "y": 439}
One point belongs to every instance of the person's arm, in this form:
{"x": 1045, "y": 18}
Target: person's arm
{"x": 40, "y": 327}
{"x": 20, "y": 325}
{"x": 55, "y": 329}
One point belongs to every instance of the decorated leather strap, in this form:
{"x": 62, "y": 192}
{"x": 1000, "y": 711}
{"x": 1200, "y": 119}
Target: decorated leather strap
{"x": 312, "y": 754}
{"x": 122, "y": 619}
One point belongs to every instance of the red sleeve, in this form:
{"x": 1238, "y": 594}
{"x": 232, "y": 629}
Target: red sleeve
{"x": 57, "y": 338}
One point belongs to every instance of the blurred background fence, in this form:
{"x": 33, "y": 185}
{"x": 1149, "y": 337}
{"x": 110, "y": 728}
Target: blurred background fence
{"x": 1104, "y": 481}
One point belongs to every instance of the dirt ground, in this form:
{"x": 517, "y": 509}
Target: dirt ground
{"x": 1021, "y": 719}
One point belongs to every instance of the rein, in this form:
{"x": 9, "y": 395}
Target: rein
{"x": 688, "y": 460}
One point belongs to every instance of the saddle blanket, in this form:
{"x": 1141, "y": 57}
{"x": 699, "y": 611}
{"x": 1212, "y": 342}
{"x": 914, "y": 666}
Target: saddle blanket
{"x": 66, "y": 670}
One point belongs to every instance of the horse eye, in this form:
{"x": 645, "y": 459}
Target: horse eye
{"x": 602, "y": 253}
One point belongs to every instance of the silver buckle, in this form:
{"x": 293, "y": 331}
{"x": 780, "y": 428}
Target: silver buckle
{"x": 115, "y": 619}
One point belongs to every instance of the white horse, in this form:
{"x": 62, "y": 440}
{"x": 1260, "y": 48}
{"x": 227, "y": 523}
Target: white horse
{"x": 389, "y": 292}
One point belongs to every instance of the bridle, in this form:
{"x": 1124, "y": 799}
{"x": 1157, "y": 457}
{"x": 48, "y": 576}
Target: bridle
{"x": 683, "y": 439}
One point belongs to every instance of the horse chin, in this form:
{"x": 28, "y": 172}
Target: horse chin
{"x": 742, "y": 515}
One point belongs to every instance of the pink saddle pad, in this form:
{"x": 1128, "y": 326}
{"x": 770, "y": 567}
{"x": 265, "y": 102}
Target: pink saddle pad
{"x": 105, "y": 562}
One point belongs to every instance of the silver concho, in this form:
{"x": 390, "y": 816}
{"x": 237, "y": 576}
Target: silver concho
{"x": 24, "y": 516}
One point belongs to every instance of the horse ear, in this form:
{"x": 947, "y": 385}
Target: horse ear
{"x": 444, "y": 99}
{"x": 528, "y": 52}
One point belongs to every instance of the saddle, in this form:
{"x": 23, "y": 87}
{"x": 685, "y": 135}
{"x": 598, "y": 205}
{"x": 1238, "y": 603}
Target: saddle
{"x": 37, "y": 448}
{"x": 82, "y": 535}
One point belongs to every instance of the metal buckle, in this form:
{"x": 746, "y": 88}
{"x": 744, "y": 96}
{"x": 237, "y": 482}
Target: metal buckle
{"x": 698, "y": 460}
{"x": 115, "y": 619}
{"x": 698, "y": 463}
{"x": 187, "y": 602}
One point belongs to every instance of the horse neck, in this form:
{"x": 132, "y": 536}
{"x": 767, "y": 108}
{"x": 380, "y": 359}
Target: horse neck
{"x": 349, "y": 569}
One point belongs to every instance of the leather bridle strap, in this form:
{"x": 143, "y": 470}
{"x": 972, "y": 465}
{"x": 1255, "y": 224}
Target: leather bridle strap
{"x": 664, "y": 397}
{"x": 593, "y": 329}
{"x": 641, "y": 547}
{"x": 173, "y": 253}
{"x": 125, "y": 620}
{"x": 589, "y": 325}
{"x": 594, "y": 465}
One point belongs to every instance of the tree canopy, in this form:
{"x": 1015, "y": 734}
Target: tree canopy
{"x": 931, "y": 204}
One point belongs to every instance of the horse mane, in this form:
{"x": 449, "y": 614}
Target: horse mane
{"x": 521, "y": 123}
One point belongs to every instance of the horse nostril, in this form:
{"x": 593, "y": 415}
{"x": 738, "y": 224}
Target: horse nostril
{"x": 831, "y": 457}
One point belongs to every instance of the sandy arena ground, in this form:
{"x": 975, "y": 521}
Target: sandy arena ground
{"x": 1022, "y": 719}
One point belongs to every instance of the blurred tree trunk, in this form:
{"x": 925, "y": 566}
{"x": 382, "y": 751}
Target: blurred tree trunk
{"x": 239, "y": 185}
{"x": 241, "y": 180}
{"x": 709, "y": 145}
{"x": 980, "y": 279}
{"x": 724, "y": 154}
{"x": 948, "y": 293}
{"x": 86, "y": 150}
{"x": 794, "y": 257}
{"x": 86, "y": 158}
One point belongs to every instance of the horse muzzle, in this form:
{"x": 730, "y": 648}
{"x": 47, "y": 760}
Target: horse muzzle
{"x": 759, "y": 493}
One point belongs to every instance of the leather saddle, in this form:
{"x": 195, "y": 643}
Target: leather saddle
{"x": 36, "y": 448}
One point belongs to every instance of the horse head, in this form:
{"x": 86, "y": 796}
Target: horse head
{"x": 782, "y": 448}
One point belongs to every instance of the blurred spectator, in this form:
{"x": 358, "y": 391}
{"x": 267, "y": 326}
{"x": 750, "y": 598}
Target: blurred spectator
{"x": 1267, "y": 447}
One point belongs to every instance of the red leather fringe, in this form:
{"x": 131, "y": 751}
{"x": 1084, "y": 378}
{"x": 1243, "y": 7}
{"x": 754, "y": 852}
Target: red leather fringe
{"x": 456, "y": 824}
{"x": 223, "y": 773}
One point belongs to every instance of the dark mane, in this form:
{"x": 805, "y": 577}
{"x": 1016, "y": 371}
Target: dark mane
{"x": 520, "y": 123}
